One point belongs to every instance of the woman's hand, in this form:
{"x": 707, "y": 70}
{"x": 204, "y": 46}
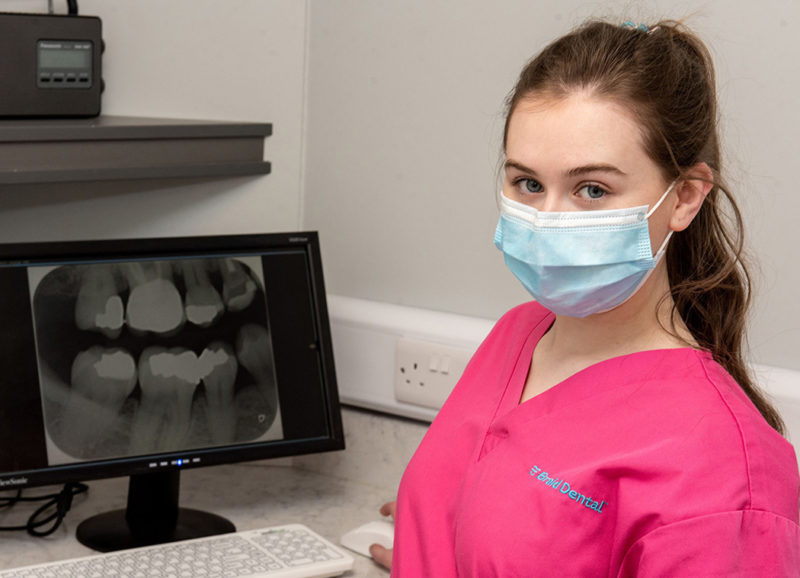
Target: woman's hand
{"x": 381, "y": 555}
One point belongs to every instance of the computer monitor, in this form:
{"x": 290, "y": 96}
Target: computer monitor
{"x": 144, "y": 357}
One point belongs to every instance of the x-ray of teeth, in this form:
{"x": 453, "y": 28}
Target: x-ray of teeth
{"x": 99, "y": 306}
{"x": 203, "y": 302}
{"x": 152, "y": 356}
{"x": 250, "y": 340}
{"x": 168, "y": 379}
{"x": 218, "y": 368}
{"x": 238, "y": 288}
{"x": 154, "y": 302}
{"x": 101, "y": 381}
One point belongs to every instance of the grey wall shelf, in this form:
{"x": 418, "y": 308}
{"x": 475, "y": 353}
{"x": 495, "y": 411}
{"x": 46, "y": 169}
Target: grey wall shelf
{"x": 109, "y": 148}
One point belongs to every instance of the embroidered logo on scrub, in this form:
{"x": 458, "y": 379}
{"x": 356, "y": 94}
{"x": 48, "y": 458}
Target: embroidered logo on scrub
{"x": 563, "y": 488}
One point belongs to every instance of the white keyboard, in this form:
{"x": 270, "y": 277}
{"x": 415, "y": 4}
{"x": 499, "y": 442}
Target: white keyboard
{"x": 290, "y": 551}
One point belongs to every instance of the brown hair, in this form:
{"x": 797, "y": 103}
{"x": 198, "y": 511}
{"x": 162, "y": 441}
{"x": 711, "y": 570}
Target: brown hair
{"x": 664, "y": 74}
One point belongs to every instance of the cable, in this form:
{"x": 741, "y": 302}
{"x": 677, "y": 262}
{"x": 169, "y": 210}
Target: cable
{"x": 72, "y": 7}
{"x": 61, "y": 501}
{"x": 6, "y": 502}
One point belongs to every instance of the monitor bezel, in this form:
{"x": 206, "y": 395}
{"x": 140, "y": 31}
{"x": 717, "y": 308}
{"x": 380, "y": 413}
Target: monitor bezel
{"x": 154, "y": 247}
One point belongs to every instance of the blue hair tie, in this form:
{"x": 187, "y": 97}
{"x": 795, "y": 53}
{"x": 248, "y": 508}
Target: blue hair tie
{"x": 640, "y": 27}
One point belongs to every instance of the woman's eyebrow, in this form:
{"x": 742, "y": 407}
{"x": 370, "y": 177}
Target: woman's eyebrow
{"x": 598, "y": 168}
{"x": 511, "y": 164}
{"x": 574, "y": 172}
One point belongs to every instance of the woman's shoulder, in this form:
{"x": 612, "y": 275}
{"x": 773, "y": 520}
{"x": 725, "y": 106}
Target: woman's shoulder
{"x": 748, "y": 461}
{"x": 770, "y": 458}
{"x": 723, "y": 474}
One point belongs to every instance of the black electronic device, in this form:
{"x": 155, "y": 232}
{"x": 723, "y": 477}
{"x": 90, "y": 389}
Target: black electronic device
{"x": 145, "y": 357}
{"x": 50, "y": 65}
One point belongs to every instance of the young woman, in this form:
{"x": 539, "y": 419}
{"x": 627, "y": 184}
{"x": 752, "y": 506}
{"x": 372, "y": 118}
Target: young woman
{"x": 611, "y": 427}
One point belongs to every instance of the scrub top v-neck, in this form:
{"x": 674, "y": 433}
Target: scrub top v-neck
{"x": 600, "y": 475}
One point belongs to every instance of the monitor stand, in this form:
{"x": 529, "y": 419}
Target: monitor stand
{"x": 152, "y": 517}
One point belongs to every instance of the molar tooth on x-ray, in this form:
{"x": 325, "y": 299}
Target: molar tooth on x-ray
{"x": 203, "y": 302}
{"x": 101, "y": 381}
{"x": 99, "y": 306}
{"x": 219, "y": 366}
{"x": 238, "y": 288}
{"x": 251, "y": 343}
{"x": 154, "y": 303}
{"x": 167, "y": 380}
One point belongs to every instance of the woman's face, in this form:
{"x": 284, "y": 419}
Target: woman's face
{"x": 582, "y": 153}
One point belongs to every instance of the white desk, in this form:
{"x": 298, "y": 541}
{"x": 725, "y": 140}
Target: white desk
{"x": 250, "y": 495}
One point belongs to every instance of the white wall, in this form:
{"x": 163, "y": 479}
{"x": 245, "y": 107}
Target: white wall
{"x": 402, "y": 134}
{"x": 242, "y": 60}
{"x": 404, "y": 122}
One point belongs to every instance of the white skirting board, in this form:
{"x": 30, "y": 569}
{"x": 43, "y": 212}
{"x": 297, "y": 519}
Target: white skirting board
{"x": 365, "y": 335}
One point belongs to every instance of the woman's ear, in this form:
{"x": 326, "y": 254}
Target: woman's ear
{"x": 691, "y": 189}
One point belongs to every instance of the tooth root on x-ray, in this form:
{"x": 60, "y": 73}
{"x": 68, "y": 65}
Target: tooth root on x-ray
{"x": 101, "y": 381}
{"x": 238, "y": 288}
{"x": 219, "y": 366}
{"x": 99, "y": 306}
{"x": 253, "y": 349}
{"x": 167, "y": 380}
{"x": 154, "y": 303}
{"x": 203, "y": 303}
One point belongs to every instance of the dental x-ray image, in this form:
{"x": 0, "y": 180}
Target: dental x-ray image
{"x": 143, "y": 357}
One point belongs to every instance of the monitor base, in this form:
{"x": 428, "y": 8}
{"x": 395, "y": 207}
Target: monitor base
{"x": 152, "y": 517}
{"x": 109, "y": 531}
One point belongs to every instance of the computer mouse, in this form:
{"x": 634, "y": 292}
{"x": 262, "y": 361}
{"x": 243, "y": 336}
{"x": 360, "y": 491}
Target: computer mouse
{"x": 360, "y": 539}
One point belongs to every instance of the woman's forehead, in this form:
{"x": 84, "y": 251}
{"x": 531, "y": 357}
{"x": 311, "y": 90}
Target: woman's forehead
{"x": 577, "y": 129}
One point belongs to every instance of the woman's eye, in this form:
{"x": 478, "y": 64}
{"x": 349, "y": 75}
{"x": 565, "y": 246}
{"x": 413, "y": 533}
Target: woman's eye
{"x": 529, "y": 186}
{"x": 591, "y": 192}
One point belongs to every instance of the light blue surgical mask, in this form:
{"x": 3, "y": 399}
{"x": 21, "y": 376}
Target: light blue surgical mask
{"x": 578, "y": 263}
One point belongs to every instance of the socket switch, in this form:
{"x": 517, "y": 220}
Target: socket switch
{"x": 426, "y": 372}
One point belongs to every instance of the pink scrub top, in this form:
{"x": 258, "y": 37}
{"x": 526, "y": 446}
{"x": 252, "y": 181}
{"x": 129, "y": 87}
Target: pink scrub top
{"x": 649, "y": 464}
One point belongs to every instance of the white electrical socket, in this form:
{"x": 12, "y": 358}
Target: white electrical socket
{"x": 426, "y": 372}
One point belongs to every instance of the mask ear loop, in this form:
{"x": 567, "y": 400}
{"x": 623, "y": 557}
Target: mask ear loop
{"x": 663, "y": 247}
{"x": 661, "y": 200}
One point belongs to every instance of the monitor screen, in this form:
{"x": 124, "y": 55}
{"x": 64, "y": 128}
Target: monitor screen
{"x": 142, "y": 357}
